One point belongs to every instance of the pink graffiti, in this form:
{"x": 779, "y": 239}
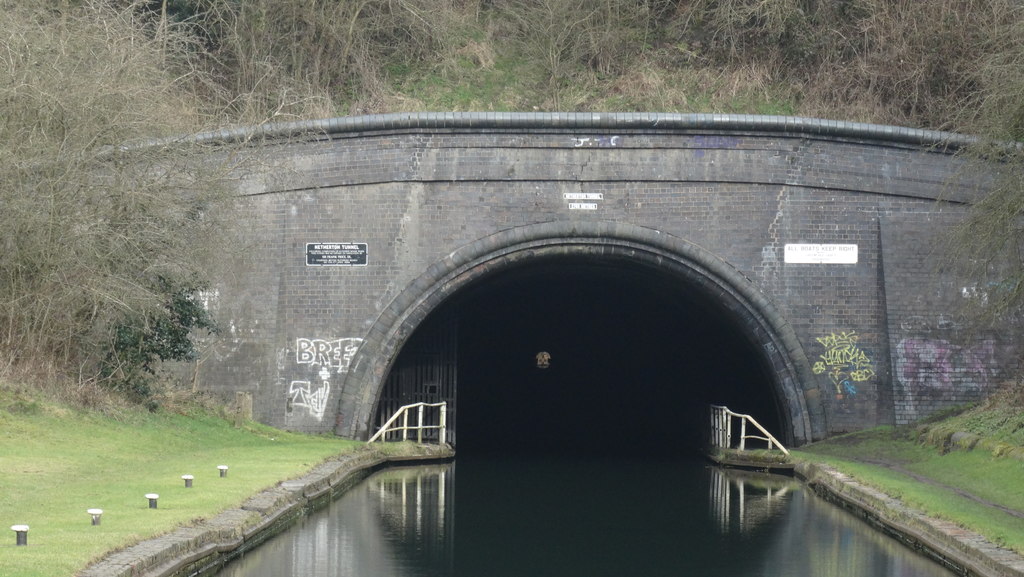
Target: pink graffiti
{"x": 938, "y": 365}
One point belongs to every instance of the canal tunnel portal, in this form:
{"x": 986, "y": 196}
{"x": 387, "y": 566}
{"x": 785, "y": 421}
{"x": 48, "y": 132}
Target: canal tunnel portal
{"x": 583, "y": 352}
{"x": 784, "y": 266}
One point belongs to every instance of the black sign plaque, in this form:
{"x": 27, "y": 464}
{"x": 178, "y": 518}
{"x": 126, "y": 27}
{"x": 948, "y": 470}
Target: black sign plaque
{"x": 336, "y": 254}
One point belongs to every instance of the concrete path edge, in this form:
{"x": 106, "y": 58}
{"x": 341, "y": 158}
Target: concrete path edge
{"x": 962, "y": 551}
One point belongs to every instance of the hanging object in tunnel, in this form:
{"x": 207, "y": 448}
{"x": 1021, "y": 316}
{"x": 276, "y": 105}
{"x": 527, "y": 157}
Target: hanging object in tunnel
{"x": 543, "y": 360}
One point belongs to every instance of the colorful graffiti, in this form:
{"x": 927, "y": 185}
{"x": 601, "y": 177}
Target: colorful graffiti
{"x": 844, "y": 362}
{"x": 936, "y": 365}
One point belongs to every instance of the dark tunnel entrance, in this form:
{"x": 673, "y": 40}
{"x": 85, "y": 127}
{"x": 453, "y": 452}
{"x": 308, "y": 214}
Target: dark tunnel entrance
{"x": 636, "y": 354}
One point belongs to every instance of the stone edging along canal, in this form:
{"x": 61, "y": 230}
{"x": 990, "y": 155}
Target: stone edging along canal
{"x": 206, "y": 546}
{"x": 962, "y": 551}
{"x": 210, "y": 543}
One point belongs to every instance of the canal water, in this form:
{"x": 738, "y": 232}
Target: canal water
{"x": 545, "y": 516}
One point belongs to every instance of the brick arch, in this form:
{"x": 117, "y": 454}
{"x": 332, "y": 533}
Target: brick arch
{"x": 798, "y": 397}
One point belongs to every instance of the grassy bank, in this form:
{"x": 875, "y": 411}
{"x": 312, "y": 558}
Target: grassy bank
{"x": 979, "y": 488}
{"x": 57, "y": 462}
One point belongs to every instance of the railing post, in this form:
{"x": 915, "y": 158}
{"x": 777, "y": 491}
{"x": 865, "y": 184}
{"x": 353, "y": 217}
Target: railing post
{"x": 716, "y": 426}
{"x": 712, "y": 438}
{"x": 419, "y": 425}
{"x": 723, "y": 429}
{"x": 441, "y": 435}
{"x": 405, "y": 424}
{"x": 720, "y": 427}
{"x": 743, "y": 434}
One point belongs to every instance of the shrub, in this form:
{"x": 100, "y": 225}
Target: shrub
{"x": 91, "y": 231}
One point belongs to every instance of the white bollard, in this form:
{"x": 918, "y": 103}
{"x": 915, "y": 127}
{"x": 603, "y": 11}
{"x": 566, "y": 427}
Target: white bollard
{"x": 22, "y": 534}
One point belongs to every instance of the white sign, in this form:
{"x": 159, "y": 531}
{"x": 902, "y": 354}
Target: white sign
{"x": 582, "y": 206}
{"x": 583, "y": 196}
{"x": 336, "y": 254}
{"x": 821, "y": 254}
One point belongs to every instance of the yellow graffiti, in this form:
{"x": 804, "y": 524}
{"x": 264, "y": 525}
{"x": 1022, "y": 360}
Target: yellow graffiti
{"x": 862, "y": 375}
{"x": 844, "y": 362}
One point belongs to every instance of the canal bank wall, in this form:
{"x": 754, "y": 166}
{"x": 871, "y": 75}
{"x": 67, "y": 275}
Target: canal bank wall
{"x": 964, "y": 552}
{"x": 203, "y": 548}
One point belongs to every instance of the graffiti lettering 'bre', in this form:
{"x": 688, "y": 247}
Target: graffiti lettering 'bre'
{"x": 336, "y": 354}
{"x": 844, "y": 362}
{"x": 332, "y": 356}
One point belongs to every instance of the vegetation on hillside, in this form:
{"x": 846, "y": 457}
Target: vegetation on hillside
{"x": 100, "y": 245}
{"x": 995, "y": 425}
{"x": 99, "y": 240}
{"x": 950, "y": 64}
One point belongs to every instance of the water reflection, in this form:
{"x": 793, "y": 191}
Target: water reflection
{"x": 742, "y": 501}
{"x": 398, "y": 522}
{"x": 817, "y": 538}
{"x": 531, "y": 517}
{"x": 414, "y": 509}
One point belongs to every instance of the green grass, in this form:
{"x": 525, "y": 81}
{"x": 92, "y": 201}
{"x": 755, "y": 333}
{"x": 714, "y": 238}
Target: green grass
{"x": 999, "y": 421}
{"x": 504, "y": 85}
{"x": 55, "y": 463}
{"x": 978, "y": 472}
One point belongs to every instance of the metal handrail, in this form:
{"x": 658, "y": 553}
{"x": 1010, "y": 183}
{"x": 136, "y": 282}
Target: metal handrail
{"x": 721, "y": 430}
{"x": 419, "y": 427}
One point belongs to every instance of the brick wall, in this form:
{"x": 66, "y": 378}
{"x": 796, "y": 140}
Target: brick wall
{"x": 865, "y": 343}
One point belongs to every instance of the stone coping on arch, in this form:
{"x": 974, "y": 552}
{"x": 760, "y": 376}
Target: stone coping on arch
{"x": 791, "y": 125}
